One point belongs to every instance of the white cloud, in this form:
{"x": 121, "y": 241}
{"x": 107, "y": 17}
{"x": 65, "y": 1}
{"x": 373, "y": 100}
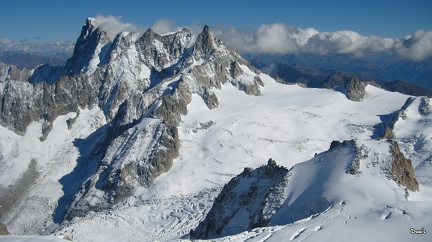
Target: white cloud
{"x": 276, "y": 38}
{"x": 279, "y": 38}
{"x": 416, "y": 46}
{"x": 5, "y": 41}
{"x": 47, "y": 48}
{"x": 163, "y": 26}
{"x": 113, "y": 25}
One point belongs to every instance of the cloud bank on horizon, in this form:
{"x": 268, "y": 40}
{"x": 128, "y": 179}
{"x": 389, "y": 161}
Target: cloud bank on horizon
{"x": 46, "y": 48}
{"x": 279, "y": 38}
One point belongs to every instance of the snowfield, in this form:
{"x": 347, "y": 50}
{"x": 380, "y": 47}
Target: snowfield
{"x": 287, "y": 123}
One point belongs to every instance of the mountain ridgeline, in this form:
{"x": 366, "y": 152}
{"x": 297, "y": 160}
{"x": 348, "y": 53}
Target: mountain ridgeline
{"x": 143, "y": 84}
{"x": 307, "y": 75}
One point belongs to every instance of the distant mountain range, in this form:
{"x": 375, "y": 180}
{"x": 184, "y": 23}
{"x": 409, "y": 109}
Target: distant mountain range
{"x": 315, "y": 77}
{"x": 381, "y": 67}
{"x": 30, "y": 60}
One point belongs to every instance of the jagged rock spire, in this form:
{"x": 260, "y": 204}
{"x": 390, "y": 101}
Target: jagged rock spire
{"x": 204, "y": 42}
{"x": 90, "y": 42}
{"x": 148, "y": 36}
{"x": 355, "y": 89}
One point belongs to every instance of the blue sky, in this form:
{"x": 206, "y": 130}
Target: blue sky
{"x": 54, "y": 20}
{"x": 264, "y": 27}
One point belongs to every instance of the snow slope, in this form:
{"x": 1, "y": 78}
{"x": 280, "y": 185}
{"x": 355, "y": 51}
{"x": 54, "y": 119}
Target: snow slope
{"x": 325, "y": 203}
{"x": 413, "y": 131}
{"x": 13, "y": 238}
{"x": 36, "y": 205}
{"x": 287, "y": 123}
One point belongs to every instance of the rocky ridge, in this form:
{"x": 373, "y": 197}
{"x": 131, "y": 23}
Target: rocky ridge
{"x": 273, "y": 195}
{"x": 248, "y": 201}
{"x": 142, "y": 83}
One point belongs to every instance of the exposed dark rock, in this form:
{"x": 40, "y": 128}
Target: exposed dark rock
{"x": 210, "y": 99}
{"x": 336, "y": 143}
{"x": 3, "y": 230}
{"x": 246, "y": 171}
{"x": 398, "y": 169}
{"x": 401, "y": 169}
{"x": 12, "y": 195}
{"x": 361, "y": 153}
{"x": 207, "y": 125}
{"x": 425, "y": 107}
{"x": 249, "y": 199}
{"x": 355, "y": 89}
{"x": 388, "y": 132}
{"x": 271, "y": 163}
{"x": 71, "y": 121}
{"x": 204, "y": 43}
{"x": 235, "y": 70}
{"x": 389, "y": 124}
{"x": 172, "y": 48}
{"x": 254, "y": 88}
{"x": 90, "y": 39}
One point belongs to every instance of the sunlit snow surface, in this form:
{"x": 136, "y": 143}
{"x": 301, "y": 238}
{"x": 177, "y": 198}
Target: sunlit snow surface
{"x": 14, "y": 238}
{"x": 413, "y": 131}
{"x": 287, "y": 123}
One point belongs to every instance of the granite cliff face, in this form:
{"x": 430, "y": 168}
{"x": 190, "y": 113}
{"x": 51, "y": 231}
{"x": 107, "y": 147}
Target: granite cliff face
{"x": 143, "y": 84}
{"x": 248, "y": 201}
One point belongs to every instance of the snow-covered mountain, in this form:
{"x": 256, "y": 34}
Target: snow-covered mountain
{"x": 349, "y": 189}
{"x": 134, "y": 138}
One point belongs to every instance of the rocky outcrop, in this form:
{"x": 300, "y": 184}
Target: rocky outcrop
{"x": 204, "y": 44}
{"x": 224, "y": 65}
{"x": 90, "y": 49}
{"x": 163, "y": 51}
{"x": 401, "y": 169}
{"x": 3, "y": 229}
{"x": 10, "y": 72}
{"x": 355, "y": 89}
{"x": 396, "y": 166}
{"x": 12, "y": 195}
{"x": 271, "y": 195}
{"x": 394, "y": 117}
{"x": 248, "y": 201}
